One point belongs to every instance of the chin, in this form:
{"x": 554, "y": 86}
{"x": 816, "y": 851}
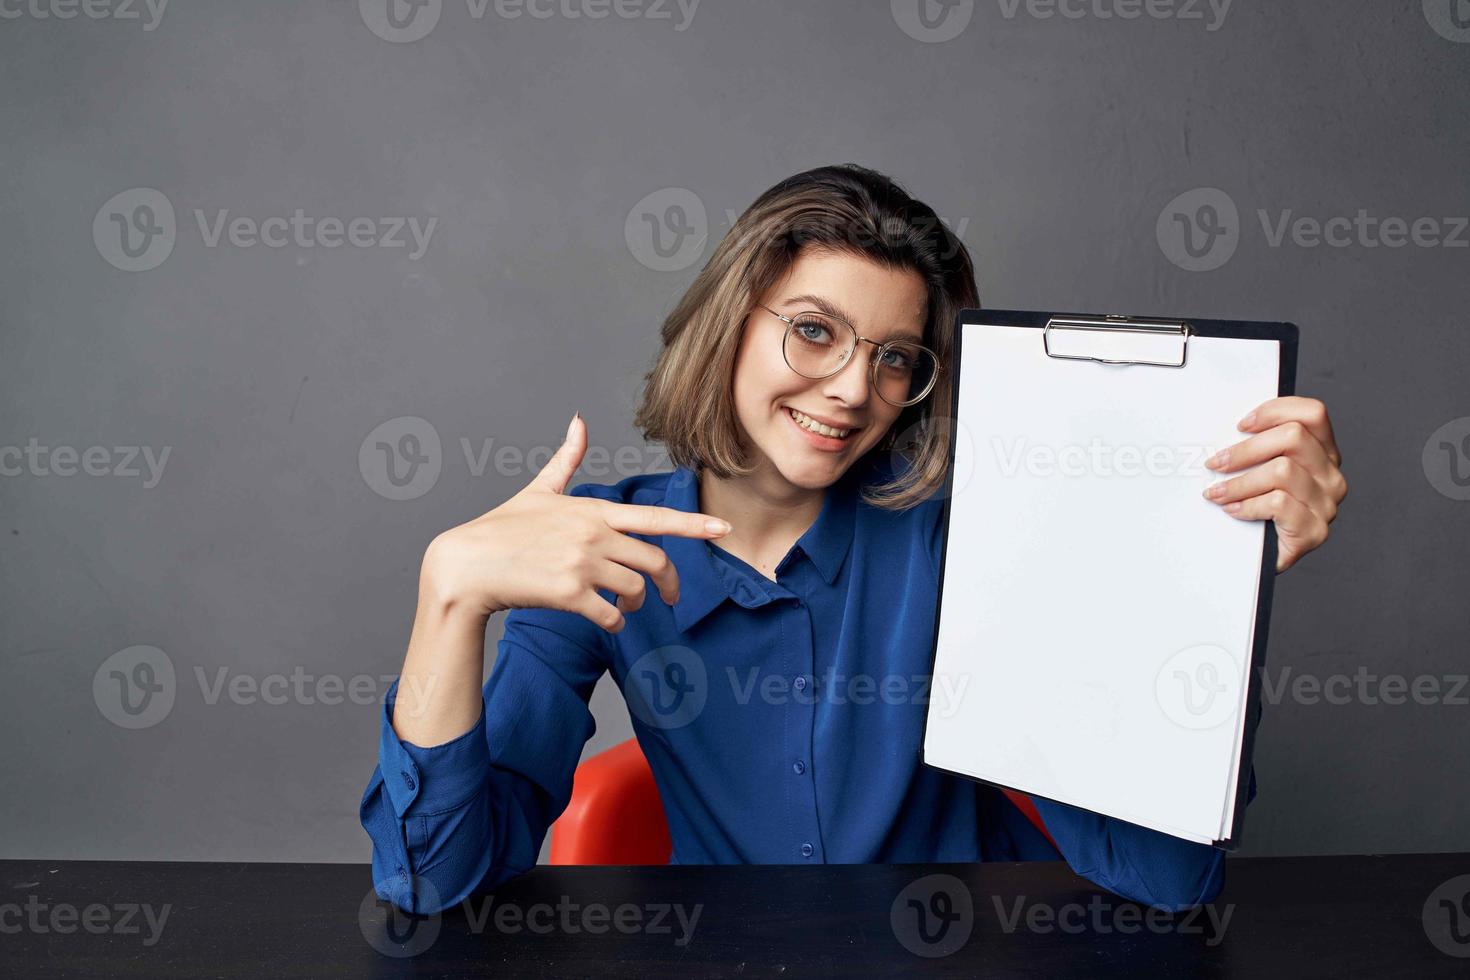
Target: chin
{"x": 811, "y": 477}
{"x": 813, "y": 471}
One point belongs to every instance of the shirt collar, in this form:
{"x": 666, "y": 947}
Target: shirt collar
{"x": 705, "y": 581}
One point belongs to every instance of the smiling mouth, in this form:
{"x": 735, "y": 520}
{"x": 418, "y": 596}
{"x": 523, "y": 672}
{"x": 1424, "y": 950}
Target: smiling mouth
{"x": 812, "y": 425}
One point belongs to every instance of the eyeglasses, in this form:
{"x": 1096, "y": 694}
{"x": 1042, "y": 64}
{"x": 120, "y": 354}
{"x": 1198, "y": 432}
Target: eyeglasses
{"x": 818, "y": 346}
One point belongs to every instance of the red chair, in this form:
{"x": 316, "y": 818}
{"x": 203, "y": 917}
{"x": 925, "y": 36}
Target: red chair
{"x": 616, "y": 817}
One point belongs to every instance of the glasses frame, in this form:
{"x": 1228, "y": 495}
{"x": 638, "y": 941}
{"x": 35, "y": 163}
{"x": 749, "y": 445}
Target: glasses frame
{"x": 872, "y": 363}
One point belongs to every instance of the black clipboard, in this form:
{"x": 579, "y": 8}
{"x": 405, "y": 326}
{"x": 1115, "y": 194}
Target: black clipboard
{"x": 1049, "y": 325}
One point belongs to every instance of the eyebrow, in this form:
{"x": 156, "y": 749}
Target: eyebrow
{"x": 824, "y": 305}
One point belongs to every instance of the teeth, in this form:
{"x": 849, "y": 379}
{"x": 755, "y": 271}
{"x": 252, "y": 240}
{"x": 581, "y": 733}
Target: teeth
{"x": 807, "y": 422}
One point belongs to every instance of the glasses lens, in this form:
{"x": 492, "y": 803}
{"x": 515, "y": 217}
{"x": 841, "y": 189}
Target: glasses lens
{"x": 817, "y": 345}
{"x": 905, "y": 373}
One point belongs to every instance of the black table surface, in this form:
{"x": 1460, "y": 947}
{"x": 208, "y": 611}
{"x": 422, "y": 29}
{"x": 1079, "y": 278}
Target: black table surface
{"x": 1372, "y": 916}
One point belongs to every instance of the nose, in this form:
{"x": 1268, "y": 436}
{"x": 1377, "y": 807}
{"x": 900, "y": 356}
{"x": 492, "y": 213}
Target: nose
{"x": 850, "y": 384}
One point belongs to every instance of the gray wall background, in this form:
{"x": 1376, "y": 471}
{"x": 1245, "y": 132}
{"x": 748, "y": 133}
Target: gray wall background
{"x": 1053, "y": 144}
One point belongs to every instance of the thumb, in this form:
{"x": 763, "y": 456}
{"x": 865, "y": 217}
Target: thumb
{"x": 557, "y": 472}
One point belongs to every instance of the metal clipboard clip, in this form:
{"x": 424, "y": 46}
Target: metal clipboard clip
{"x": 1121, "y": 324}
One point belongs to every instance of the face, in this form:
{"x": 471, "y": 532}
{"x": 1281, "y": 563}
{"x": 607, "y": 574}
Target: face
{"x": 882, "y": 304}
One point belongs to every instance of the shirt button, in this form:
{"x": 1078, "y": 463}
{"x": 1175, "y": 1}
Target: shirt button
{"x": 798, "y": 767}
{"x": 807, "y": 850}
{"x": 800, "y": 683}
{"x": 408, "y": 780}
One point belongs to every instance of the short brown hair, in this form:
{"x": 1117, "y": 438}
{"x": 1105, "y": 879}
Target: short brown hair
{"x": 688, "y": 401}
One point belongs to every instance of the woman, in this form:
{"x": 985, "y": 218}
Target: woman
{"x": 778, "y": 685}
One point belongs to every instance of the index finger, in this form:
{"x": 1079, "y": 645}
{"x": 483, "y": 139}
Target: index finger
{"x": 1310, "y": 412}
{"x": 649, "y": 519}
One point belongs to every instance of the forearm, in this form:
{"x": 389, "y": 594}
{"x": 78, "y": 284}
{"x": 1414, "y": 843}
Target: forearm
{"x": 439, "y": 688}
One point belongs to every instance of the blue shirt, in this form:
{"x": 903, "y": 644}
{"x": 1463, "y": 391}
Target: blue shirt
{"x": 783, "y": 721}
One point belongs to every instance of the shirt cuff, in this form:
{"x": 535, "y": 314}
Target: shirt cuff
{"x": 430, "y": 780}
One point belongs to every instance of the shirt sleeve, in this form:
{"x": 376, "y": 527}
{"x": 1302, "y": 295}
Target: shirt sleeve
{"x": 461, "y": 817}
{"x": 1143, "y": 865}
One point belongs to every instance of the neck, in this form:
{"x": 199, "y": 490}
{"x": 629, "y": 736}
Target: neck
{"x": 767, "y": 513}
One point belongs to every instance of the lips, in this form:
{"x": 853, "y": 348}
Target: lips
{"x": 826, "y": 428}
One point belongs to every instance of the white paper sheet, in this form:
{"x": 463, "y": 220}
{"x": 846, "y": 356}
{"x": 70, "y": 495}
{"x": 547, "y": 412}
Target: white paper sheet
{"x": 1097, "y": 609}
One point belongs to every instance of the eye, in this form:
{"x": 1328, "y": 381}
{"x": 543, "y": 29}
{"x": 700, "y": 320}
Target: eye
{"x": 813, "y": 331}
{"x": 897, "y": 360}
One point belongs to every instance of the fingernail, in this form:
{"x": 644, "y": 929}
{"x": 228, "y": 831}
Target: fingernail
{"x": 1212, "y": 492}
{"x": 1219, "y": 459}
{"x": 1233, "y": 508}
{"x": 716, "y": 526}
{"x": 1246, "y": 422}
{"x": 572, "y": 423}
